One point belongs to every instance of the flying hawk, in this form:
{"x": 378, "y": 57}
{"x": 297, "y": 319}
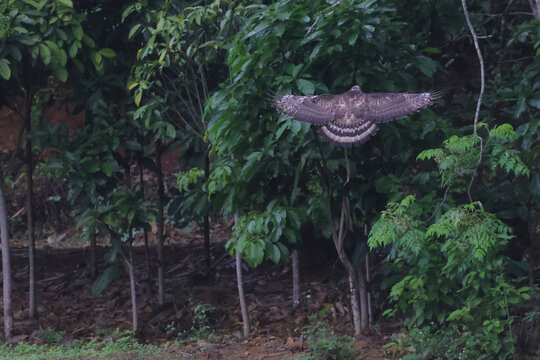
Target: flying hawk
{"x": 352, "y": 117}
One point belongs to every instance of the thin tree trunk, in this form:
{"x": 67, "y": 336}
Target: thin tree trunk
{"x": 206, "y": 225}
{"x": 354, "y": 305}
{"x": 535, "y": 7}
{"x": 6, "y": 265}
{"x": 29, "y": 211}
{"x": 362, "y": 294}
{"x": 207, "y": 254}
{"x": 368, "y": 280}
{"x": 146, "y": 247}
{"x": 160, "y": 227}
{"x": 241, "y": 294}
{"x": 131, "y": 268}
{"x": 339, "y": 239}
{"x": 295, "y": 278}
{"x": 338, "y": 236}
{"x": 93, "y": 265}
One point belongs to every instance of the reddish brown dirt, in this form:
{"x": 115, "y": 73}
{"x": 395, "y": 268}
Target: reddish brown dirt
{"x": 55, "y": 112}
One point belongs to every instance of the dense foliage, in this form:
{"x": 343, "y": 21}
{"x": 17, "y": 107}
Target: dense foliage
{"x": 452, "y": 206}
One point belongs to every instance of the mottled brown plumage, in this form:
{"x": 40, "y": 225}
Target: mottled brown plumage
{"x": 351, "y": 117}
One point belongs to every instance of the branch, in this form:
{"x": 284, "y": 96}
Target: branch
{"x": 535, "y": 6}
{"x": 480, "y": 59}
{"x": 482, "y": 86}
{"x": 441, "y": 203}
{"x": 347, "y": 166}
{"x": 476, "y": 168}
{"x": 310, "y": 29}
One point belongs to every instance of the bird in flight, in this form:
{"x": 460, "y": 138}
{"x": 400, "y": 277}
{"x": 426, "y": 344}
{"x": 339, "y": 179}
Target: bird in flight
{"x": 352, "y": 117}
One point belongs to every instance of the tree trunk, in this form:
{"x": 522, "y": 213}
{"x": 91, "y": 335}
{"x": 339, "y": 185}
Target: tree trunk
{"x": 368, "y": 280}
{"x": 535, "y": 7}
{"x": 145, "y": 231}
{"x": 131, "y": 269}
{"x": 29, "y": 210}
{"x": 295, "y": 279}
{"x": 354, "y": 305}
{"x": 206, "y": 225}
{"x": 339, "y": 240}
{"x": 362, "y": 294}
{"x": 241, "y": 295}
{"x": 93, "y": 265}
{"x": 6, "y": 265}
{"x": 160, "y": 227}
{"x": 207, "y": 254}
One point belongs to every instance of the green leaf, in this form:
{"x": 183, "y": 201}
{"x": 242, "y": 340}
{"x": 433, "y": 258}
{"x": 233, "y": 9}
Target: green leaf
{"x": 294, "y": 220}
{"x": 137, "y": 97}
{"x": 93, "y": 167}
{"x": 61, "y": 74}
{"x": 33, "y": 3}
{"x": 108, "y": 53}
{"x": 5, "y": 70}
{"x": 160, "y": 24}
{"x": 73, "y": 49}
{"x": 67, "y": 3}
{"x": 426, "y": 65}
{"x": 255, "y": 253}
{"x": 104, "y": 279}
{"x": 108, "y": 168}
{"x": 77, "y": 31}
{"x": 305, "y": 86}
{"x": 273, "y": 253}
{"x": 45, "y": 53}
{"x": 96, "y": 58}
{"x": 170, "y": 131}
{"x": 133, "y": 30}
{"x": 432, "y": 50}
{"x": 535, "y": 103}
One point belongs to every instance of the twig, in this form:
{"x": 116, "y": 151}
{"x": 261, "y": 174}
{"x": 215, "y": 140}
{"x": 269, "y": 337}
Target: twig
{"x": 441, "y": 204}
{"x": 482, "y": 86}
{"x": 525, "y": 13}
{"x": 480, "y": 59}
{"x": 310, "y": 29}
{"x": 476, "y": 167}
{"x": 347, "y": 166}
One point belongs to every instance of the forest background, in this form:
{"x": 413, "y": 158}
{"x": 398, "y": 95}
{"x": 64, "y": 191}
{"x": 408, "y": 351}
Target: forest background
{"x": 444, "y": 202}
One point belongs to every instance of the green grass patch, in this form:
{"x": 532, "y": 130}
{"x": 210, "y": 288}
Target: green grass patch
{"x": 119, "y": 345}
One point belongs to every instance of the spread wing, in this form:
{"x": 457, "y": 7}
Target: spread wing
{"x": 351, "y": 117}
{"x": 384, "y": 107}
{"x": 305, "y": 108}
{"x": 334, "y": 112}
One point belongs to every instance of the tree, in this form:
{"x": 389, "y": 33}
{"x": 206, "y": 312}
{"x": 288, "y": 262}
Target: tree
{"x": 304, "y": 50}
{"x": 32, "y": 50}
{"x": 6, "y": 265}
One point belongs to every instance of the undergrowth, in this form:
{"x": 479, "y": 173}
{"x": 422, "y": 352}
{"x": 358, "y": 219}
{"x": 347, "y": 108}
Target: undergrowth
{"x": 324, "y": 343}
{"x": 119, "y": 343}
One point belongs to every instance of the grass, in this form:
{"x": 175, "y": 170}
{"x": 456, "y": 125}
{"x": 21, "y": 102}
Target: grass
{"x": 119, "y": 345}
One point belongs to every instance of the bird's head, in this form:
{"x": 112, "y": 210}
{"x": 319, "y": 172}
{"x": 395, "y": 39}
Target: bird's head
{"x": 356, "y": 88}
